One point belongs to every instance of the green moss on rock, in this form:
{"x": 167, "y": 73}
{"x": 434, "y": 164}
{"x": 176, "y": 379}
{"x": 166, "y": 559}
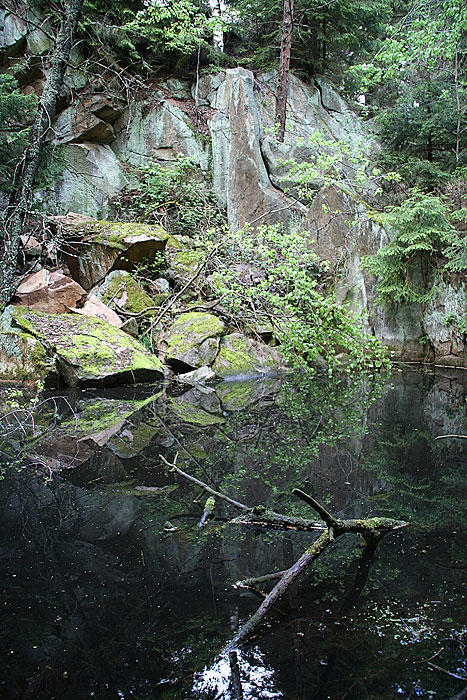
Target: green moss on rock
{"x": 240, "y": 355}
{"x": 120, "y": 282}
{"x": 195, "y": 415}
{"x": 113, "y": 234}
{"x": 189, "y": 339}
{"x": 91, "y": 351}
{"x": 23, "y": 358}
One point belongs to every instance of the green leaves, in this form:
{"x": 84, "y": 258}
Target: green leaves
{"x": 173, "y": 25}
{"x": 175, "y": 196}
{"x": 308, "y": 324}
{"x": 423, "y": 234}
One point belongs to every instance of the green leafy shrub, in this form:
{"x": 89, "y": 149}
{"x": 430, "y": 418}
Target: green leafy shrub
{"x": 269, "y": 276}
{"x": 175, "y": 196}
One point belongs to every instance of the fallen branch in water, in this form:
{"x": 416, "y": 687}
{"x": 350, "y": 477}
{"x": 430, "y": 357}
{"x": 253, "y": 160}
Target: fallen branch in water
{"x": 444, "y": 437}
{"x": 371, "y": 529}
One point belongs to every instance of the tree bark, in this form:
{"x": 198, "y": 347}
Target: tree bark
{"x": 21, "y": 199}
{"x": 284, "y": 67}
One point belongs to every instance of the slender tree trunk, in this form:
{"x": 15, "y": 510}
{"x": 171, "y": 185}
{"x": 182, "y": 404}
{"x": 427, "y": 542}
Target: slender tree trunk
{"x": 284, "y": 67}
{"x": 218, "y": 34}
{"x": 21, "y": 199}
{"x": 458, "y": 127}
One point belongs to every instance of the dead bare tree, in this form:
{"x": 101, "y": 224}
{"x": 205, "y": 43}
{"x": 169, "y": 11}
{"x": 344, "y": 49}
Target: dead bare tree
{"x": 284, "y": 67}
{"x": 19, "y": 205}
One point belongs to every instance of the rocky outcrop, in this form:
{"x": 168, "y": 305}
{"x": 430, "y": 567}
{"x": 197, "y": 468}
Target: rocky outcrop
{"x": 94, "y": 248}
{"x": 89, "y": 351}
{"x": 225, "y": 124}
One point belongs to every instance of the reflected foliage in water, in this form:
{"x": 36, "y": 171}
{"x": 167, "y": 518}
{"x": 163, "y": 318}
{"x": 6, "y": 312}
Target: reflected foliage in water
{"x": 111, "y": 590}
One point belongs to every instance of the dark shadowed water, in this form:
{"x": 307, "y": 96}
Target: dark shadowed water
{"x": 113, "y": 591}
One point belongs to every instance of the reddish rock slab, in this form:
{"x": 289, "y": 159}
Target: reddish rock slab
{"x": 97, "y": 309}
{"x": 50, "y": 292}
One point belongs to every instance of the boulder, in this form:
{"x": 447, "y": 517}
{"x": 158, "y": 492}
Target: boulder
{"x": 121, "y": 291}
{"x": 94, "y": 248}
{"x": 242, "y": 356}
{"x": 183, "y": 261}
{"x": 52, "y": 292}
{"x": 192, "y": 340}
{"x": 23, "y": 357}
{"x": 90, "y": 352}
{"x": 96, "y": 309}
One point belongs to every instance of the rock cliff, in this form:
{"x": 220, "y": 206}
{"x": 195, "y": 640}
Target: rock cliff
{"x": 225, "y": 124}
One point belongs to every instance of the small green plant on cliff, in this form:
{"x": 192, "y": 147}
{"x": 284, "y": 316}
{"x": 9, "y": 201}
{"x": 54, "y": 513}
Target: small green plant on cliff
{"x": 176, "y": 196}
{"x": 425, "y": 240}
{"x": 270, "y": 277}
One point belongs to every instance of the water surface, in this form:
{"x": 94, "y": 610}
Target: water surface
{"x": 110, "y": 591}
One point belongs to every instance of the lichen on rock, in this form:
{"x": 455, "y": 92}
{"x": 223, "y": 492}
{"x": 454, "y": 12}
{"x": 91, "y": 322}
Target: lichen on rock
{"x": 90, "y": 351}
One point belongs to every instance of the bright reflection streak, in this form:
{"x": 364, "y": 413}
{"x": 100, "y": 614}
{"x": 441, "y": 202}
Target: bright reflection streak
{"x": 257, "y": 680}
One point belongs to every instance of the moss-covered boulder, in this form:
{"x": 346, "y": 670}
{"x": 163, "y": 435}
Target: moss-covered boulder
{"x": 183, "y": 262}
{"x": 189, "y": 410}
{"x": 242, "y": 356}
{"x": 90, "y": 352}
{"x": 94, "y": 248}
{"x": 23, "y": 358}
{"x": 192, "y": 340}
{"x": 121, "y": 291}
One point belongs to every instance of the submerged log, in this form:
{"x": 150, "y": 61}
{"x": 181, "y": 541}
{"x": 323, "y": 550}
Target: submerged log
{"x": 371, "y": 529}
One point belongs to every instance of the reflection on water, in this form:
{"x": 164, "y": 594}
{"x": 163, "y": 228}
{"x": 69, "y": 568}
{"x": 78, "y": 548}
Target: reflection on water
{"x": 254, "y": 678}
{"x": 111, "y": 590}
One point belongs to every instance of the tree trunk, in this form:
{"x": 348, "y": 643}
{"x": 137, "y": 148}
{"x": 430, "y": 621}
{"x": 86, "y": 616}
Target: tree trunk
{"x": 284, "y": 67}
{"x": 218, "y": 34}
{"x": 21, "y": 199}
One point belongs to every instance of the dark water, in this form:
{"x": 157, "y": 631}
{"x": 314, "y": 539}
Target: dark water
{"x": 112, "y": 592}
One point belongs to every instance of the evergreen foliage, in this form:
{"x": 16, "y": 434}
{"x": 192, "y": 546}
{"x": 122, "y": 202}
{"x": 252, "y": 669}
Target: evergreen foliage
{"x": 424, "y": 235}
